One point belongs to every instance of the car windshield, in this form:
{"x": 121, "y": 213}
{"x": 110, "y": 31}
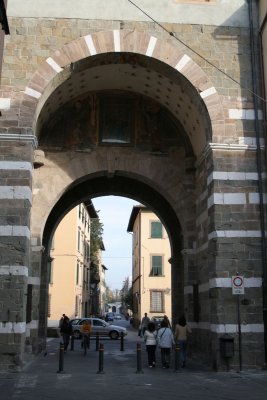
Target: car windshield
{"x": 75, "y": 321}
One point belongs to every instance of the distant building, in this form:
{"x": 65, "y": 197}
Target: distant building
{"x": 151, "y": 271}
{"x": 69, "y": 283}
{"x": 102, "y": 290}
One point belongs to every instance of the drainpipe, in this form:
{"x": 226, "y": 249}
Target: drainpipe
{"x": 254, "y": 62}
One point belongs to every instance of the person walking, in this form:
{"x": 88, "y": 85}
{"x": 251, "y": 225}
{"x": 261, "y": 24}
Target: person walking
{"x": 86, "y": 330}
{"x": 166, "y": 342}
{"x": 166, "y": 319}
{"x": 61, "y": 321}
{"x": 66, "y": 332}
{"x": 144, "y": 323}
{"x": 150, "y": 336}
{"x": 182, "y": 329}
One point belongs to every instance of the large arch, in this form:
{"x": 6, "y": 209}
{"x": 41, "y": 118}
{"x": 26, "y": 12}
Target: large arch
{"x": 98, "y": 52}
{"x": 173, "y": 184}
{"x": 131, "y": 186}
{"x": 144, "y": 66}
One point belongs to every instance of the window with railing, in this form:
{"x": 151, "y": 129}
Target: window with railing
{"x": 156, "y": 265}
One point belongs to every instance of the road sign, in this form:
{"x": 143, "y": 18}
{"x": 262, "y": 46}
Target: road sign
{"x": 238, "y": 284}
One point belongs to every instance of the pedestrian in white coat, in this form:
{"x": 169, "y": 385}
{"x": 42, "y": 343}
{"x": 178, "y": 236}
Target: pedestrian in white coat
{"x": 166, "y": 342}
{"x": 150, "y": 336}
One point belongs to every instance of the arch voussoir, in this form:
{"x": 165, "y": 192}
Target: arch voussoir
{"x": 61, "y": 58}
{"x": 103, "y": 42}
{"x": 76, "y": 50}
{"x": 42, "y": 77}
{"x": 166, "y": 53}
{"x": 134, "y": 41}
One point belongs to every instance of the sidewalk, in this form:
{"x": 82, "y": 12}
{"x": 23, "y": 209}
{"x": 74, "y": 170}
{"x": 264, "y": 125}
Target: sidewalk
{"x": 120, "y": 379}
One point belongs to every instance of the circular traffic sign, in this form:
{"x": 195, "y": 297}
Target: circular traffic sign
{"x": 238, "y": 281}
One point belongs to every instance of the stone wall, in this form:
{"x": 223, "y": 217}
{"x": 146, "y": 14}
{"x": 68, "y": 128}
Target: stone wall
{"x": 215, "y": 196}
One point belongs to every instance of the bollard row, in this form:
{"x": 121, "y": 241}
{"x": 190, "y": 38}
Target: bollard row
{"x": 100, "y": 349}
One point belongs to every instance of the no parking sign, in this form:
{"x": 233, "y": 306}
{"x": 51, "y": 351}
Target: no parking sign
{"x": 238, "y": 284}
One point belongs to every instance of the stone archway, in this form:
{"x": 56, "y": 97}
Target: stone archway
{"x": 84, "y": 53}
{"x": 139, "y": 64}
{"x": 120, "y": 185}
{"x": 150, "y": 77}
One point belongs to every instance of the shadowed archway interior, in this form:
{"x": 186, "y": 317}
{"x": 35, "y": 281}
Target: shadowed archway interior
{"x": 118, "y": 185}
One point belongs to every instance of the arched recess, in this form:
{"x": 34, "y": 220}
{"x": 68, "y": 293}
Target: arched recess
{"x": 130, "y": 186}
{"x": 118, "y": 185}
{"x": 139, "y": 63}
{"x": 117, "y": 48}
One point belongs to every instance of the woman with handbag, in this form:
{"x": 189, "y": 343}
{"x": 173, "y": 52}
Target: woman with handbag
{"x": 166, "y": 342}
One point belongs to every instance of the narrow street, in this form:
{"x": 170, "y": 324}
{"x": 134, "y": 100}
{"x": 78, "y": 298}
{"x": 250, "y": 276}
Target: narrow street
{"x": 120, "y": 378}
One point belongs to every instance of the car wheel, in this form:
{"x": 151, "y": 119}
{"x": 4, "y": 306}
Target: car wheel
{"x": 76, "y": 334}
{"x": 113, "y": 335}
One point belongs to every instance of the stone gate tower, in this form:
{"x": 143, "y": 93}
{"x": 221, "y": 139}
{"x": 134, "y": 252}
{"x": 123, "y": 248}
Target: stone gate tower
{"x": 157, "y": 101}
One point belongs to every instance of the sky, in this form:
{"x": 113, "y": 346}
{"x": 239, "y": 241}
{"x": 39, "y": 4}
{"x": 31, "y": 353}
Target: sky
{"x": 114, "y": 213}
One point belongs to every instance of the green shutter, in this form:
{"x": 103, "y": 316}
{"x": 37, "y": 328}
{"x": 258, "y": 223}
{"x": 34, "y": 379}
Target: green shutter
{"x": 156, "y": 266}
{"x": 156, "y": 229}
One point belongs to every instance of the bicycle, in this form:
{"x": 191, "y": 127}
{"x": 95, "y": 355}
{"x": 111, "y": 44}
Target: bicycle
{"x": 86, "y": 343}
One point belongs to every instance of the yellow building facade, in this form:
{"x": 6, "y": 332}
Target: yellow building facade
{"x": 69, "y": 286}
{"x": 151, "y": 271}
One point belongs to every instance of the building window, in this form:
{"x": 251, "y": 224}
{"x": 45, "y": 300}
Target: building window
{"x": 76, "y": 305}
{"x": 195, "y": 1}
{"x": 156, "y": 230}
{"x": 157, "y": 301}
{"x": 116, "y": 121}
{"x": 49, "y": 306}
{"x": 156, "y": 266}
{"x": 87, "y": 251}
{"x": 79, "y": 240}
{"x": 77, "y": 273}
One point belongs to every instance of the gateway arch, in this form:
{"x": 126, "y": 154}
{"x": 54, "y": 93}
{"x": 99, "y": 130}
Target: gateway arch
{"x": 122, "y": 112}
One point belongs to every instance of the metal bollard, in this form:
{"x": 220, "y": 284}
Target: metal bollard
{"x": 139, "y": 359}
{"x": 176, "y": 358}
{"x": 122, "y": 342}
{"x": 101, "y": 359}
{"x": 97, "y": 341}
{"x": 61, "y": 358}
{"x": 72, "y": 343}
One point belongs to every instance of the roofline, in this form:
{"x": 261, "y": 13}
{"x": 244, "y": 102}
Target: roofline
{"x": 91, "y": 209}
{"x": 133, "y": 216}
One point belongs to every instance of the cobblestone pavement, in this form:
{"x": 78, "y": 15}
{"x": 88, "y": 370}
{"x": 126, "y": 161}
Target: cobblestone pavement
{"x": 120, "y": 378}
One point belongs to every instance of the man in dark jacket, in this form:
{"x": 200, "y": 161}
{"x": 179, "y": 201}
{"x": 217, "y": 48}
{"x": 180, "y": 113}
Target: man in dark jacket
{"x": 66, "y": 332}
